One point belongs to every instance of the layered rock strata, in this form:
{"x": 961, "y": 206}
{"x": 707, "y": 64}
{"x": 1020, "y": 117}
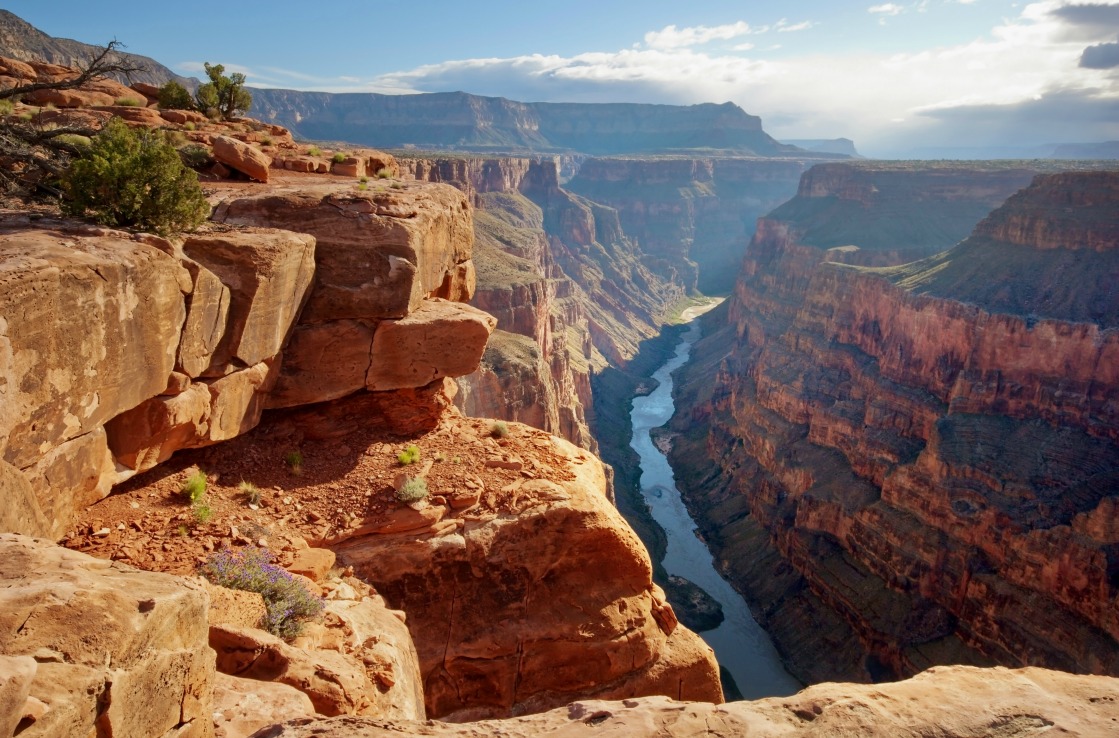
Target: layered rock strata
{"x": 923, "y": 456}
{"x": 118, "y": 350}
{"x": 692, "y": 216}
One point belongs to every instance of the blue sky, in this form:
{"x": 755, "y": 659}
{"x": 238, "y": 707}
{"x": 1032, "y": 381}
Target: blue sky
{"x": 886, "y": 74}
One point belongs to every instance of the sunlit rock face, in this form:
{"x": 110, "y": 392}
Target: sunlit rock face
{"x": 927, "y": 453}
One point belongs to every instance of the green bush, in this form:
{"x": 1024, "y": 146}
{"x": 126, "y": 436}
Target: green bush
{"x": 314, "y": 151}
{"x": 383, "y": 173}
{"x": 196, "y": 156}
{"x": 409, "y": 455}
{"x": 129, "y": 102}
{"x": 499, "y": 429}
{"x": 413, "y": 490}
{"x": 338, "y": 157}
{"x": 287, "y": 601}
{"x": 173, "y": 96}
{"x": 194, "y": 486}
{"x": 134, "y": 178}
{"x": 294, "y": 460}
{"x": 202, "y": 512}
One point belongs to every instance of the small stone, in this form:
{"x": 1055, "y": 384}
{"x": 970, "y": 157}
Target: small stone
{"x": 102, "y": 532}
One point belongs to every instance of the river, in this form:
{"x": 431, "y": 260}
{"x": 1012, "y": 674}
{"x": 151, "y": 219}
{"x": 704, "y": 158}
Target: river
{"x": 740, "y": 644}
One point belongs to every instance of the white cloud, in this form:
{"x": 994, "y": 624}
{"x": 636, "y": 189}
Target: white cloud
{"x": 671, "y": 37}
{"x": 886, "y": 9}
{"x": 803, "y": 25}
{"x": 1027, "y": 65}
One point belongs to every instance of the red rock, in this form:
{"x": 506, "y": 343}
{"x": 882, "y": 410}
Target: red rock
{"x": 377, "y": 254}
{"x": 244, "y": 706}
{"x": 268, "y": 273}
{"x": 183, "y": 116}
{"x": 147, "y": 117}
{"x": 313, "y": 563}
{"x": 919, "y": 441}
{"x": 948, "y": 701}
{"x": 119, "y": 650}
{"x": 244, "y": 158}
{"x": 506, "y": 651}
{"x": 440, "y": 339}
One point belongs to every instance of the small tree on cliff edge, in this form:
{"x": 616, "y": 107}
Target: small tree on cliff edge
{"x": 223, "y": 96}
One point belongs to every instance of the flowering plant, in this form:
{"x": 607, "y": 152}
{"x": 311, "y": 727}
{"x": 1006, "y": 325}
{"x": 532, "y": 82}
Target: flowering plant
{"x": 287, "y": 601}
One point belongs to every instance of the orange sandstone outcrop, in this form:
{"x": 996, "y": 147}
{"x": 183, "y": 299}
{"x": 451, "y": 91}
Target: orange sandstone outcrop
{"x": 106, "y": 649}
{"x": 927, "y": 452}
{"x": 953, "y": 702}
{"x": 512, "y": 605}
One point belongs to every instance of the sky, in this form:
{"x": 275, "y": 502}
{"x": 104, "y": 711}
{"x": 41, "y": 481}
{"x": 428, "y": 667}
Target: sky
{"x": 891, "y": 76}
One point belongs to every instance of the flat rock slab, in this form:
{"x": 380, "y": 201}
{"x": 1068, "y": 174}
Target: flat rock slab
{"x": 117, "y": 650}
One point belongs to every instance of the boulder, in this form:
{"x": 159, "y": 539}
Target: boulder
{"x": 323, "y": 361}
{"x": 20, "y": 512}
{"x": 146, "y": 117}
{"x": 244, "y": 706}
{"x": 207, "y": 412}
{"x": 268, "y": 273}
{"x": 440, "y": 339}
{"x": 336, "y": 685}
{"x": 89, "y": 327}
{"x": 378, "y": 253}
{"x": 119, "y": 651}
{"x": 183, "y": 116}
{"x": 313, "y": 563}
{"x": 541, "y": 596}
{"x": 246, "y": 159}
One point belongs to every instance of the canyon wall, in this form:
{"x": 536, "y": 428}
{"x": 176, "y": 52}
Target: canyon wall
{"x": 448, "y": 121}
{"x": 693, "y": 216}
{"x": 916, "y": 464}
{"x": 571, "y": 292}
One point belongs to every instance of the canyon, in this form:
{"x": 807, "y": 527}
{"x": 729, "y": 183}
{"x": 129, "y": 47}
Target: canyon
{"x": 918, "y": 460}
{"x": 901, "y": 449}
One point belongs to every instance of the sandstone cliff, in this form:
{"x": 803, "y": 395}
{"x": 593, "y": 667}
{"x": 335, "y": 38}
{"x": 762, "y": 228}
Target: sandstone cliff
{"x": 920, "y": 460}
{"x": 953, "y": 702}
{"x": 693, "y": 217}
{"x": 445, "y": 121}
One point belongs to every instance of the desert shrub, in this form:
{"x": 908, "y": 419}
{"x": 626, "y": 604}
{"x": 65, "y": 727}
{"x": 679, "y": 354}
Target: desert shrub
{"x": 196, "y": 156}
{"x": 287, "y": 601}
{"x": 338, "y": 157}
{"x": 189, "y": 126}
{"x": 314, "y": 151}
{"x": 225, "y": 95}
{"x": 7, "y": 107}
{"x": 383, "y": 173}
{"x": 78, "y": 142}
{"x": 201, "y": 511}
{"x": 499, "y": 429}
{"x": 134, "y": 178}
{"x": 173, "y": 96}
{"x": 194, "y": 486}
{"x": 294, "y": 460}
{"x": 413, "y": 490}
{"x": 129, "y": 102}
{"x": 250, "y": 491}
{"x": 409, "y": 455}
